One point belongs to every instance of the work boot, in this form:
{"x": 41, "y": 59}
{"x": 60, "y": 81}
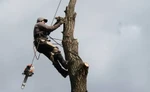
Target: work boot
{"x": 62, "y": 71}
{"x": 60, "y": 58}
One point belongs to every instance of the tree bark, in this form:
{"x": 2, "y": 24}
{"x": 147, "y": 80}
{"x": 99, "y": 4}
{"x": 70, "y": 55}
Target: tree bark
{"x": 78, "y": 70}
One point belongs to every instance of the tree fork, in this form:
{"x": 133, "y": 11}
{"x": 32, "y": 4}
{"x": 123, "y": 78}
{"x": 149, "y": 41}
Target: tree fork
{"x": 78, "y": 70}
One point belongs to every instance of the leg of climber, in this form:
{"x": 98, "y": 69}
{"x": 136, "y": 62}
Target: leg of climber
{"x": 59, "y": 57}
{"x": 49, "y": 50}
{"x": 62, "y": 71}
{"x": 56, "y": 64}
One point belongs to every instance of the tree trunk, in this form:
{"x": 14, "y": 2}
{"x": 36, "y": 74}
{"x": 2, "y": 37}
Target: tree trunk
{"x": 78, "y": 70}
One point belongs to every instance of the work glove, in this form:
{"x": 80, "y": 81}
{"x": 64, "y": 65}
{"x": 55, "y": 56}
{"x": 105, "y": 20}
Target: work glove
{"x": 60, "y": 19}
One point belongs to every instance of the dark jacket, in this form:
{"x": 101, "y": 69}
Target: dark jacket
{"x": 42, "y": 30}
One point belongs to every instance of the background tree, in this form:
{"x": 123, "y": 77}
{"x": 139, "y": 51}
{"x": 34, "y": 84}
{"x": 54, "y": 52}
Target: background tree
{"x": 78, "y": 70}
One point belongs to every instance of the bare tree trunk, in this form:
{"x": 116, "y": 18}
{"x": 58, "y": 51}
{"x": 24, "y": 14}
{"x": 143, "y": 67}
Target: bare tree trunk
{"x": 78, "y": 70}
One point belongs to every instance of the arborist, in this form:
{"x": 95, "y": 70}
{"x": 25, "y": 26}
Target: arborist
{"x": 45, "y": 46}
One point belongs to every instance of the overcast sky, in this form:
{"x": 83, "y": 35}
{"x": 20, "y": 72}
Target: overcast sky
{"x": 113, "y": 38}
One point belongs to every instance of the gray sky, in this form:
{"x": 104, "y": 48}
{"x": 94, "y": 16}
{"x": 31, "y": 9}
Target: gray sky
{"x": 113, "y": 38}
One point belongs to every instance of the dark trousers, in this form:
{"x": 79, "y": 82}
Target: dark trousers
{"x": 46, "y": 47}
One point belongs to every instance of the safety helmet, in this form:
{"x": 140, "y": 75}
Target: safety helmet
{"x": 40, "y": 19}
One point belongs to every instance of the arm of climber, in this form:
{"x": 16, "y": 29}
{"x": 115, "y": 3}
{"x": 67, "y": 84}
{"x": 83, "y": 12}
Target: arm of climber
{"x": 49, "y": 28}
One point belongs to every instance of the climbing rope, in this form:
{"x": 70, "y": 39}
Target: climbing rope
{"x": 35, "y": 56}
{"x": 54, "y": 39}
{"x": 56, "y": 12}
